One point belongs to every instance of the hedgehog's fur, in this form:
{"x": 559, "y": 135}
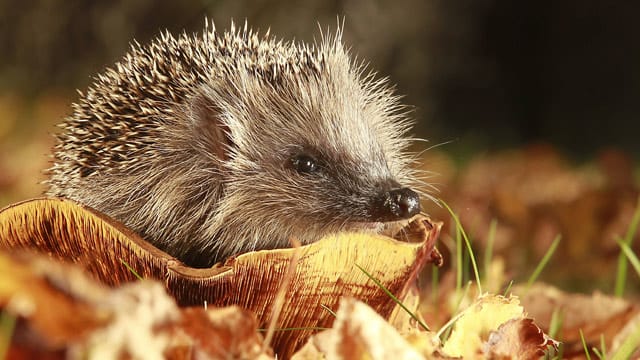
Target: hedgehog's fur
{"x": 187, "y": 142}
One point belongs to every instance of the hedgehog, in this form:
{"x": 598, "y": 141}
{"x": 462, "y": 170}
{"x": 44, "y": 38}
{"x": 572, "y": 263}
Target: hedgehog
{"x": 215, "y": 144}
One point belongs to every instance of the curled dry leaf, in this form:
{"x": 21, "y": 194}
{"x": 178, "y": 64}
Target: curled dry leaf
{"x": 360, "y": 333}
{"x": 496, "y": 327}
{"x": 62, "y": 314}
{"x": 326, "y": 271}
{"x": 517, "y": 339}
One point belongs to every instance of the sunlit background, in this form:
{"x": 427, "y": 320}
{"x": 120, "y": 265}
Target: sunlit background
{"x": 532, "y": 107}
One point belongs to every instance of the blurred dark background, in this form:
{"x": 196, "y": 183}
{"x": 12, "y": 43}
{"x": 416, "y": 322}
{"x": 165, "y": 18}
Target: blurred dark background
{"x": 485, "y": 74}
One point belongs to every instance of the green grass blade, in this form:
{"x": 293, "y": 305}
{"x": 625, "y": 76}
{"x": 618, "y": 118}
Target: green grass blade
{"x": 393, "y": 297}
{"x": 545, "y": 259}
{"x": 584, "y": 346}
{"x": 446, "y": 329}
{"x": 598, "y": 353}
{"x": 7, "y": 326}
{"x": 459, "y": 264}
{"x": 133, "y": 271}
{"x": 508, "y": 289}
{"x": 468, "y": 243}
{"x": 555, "y": 324}
{"x": 445, "y": 332}
{"x": 628, "y": 346}
{"x": 631, "y": 257}
{"x": 621, "y": 272}
{"x": 465, "y": 267}
{"x": 602, "y": 352}
{"x": 328, "y": 310}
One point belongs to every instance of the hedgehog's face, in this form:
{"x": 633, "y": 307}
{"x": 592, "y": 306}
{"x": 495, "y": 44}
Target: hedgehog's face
{"x": 314, "y": 157}
{"x": 346, "y": 190}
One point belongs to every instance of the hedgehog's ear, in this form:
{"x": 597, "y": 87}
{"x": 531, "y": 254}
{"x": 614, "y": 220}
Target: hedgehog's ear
{"x": 208, "y": 127}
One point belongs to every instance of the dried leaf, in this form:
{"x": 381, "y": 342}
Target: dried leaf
{"x": 55, "y": 302}
{"x": 326, "y": 272}
{"x": 61, "y": 313}
{"x": 75, "y": 233}
{"x": 517, "y": 339}
{"x": 359, "y": 333}
{"x": 478, "y": 331}
{"x": 595, "y": 315}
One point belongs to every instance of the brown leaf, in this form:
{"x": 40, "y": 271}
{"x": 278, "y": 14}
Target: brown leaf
{"x": 63, "y": 313}
{"x": 53, "y": 302}
{"x": 595, "y": 315}
{"x": 495, "y": 327}
{"x": 326, "y": 271}
{"x": 517, "y": 339}
{"x": 360, "y": 333}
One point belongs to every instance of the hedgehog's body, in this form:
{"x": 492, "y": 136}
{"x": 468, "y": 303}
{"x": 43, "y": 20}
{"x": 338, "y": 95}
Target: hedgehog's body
{"x": 213, "y": 145}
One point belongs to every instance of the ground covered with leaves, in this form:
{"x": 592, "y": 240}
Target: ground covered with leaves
{"x": 539, "y": 258}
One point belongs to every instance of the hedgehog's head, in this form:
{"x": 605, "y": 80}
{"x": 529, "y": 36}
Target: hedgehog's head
{"x": 307, "y": 143}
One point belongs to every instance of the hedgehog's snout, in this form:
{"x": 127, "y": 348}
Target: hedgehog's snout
{"x": 395, "y": 204}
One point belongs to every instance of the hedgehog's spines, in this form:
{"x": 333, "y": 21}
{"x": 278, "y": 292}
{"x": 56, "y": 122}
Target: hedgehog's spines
{"x": 186, "y": 140}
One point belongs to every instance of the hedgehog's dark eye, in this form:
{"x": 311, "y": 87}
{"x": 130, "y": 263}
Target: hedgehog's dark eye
{"x": 304, "y": 164}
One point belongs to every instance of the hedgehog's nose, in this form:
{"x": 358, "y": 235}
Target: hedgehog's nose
{"x": 396, "y": 204}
